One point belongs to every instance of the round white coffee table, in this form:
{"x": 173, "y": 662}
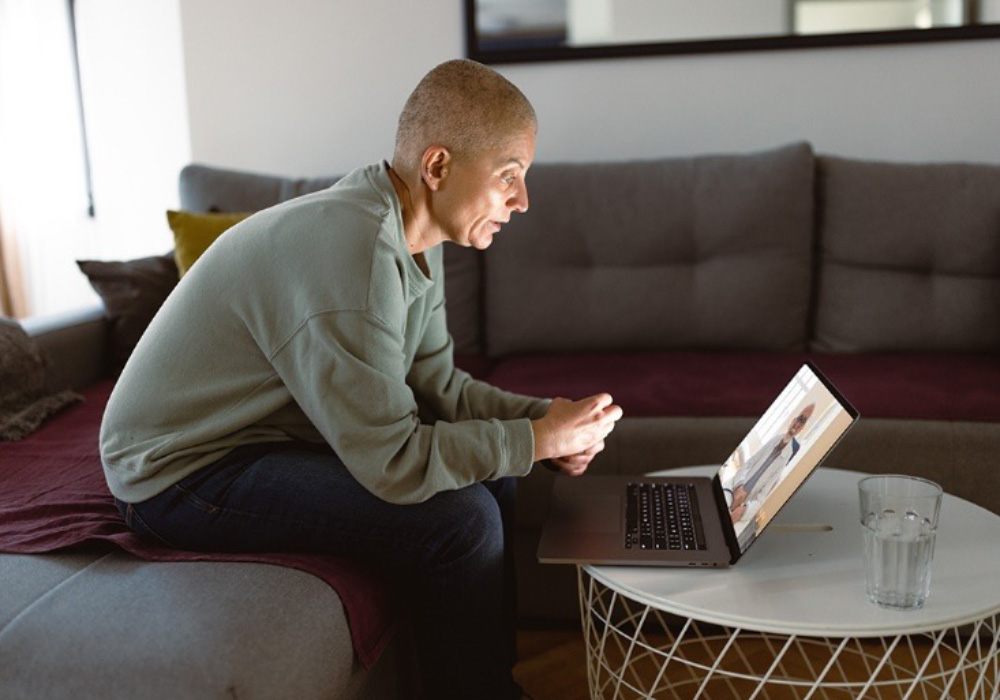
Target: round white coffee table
{"x": 791, "y": 619}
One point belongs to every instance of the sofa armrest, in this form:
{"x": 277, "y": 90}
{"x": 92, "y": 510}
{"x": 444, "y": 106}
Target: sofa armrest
{"x": 73, "y": 343}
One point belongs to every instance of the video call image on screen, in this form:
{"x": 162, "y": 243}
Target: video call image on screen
{"x": 781, "y": 450}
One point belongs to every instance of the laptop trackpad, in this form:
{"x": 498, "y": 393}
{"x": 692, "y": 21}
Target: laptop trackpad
{"x": 592, "y": 513}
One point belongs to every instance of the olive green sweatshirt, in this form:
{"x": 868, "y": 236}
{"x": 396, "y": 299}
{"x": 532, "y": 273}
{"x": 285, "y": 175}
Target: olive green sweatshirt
{"x": 311, "y": 321}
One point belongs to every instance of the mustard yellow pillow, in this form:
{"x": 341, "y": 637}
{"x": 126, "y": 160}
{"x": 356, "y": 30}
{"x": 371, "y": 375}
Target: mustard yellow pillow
{"x": 193, "y": 233}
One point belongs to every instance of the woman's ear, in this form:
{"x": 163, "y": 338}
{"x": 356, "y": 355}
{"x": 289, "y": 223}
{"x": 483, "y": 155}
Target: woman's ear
{"x": 434, "y": 166}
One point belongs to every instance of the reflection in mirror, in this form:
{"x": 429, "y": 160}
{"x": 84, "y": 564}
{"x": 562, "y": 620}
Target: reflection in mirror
{"x": 834, "y": 16}
{"x": 509, "y": 26}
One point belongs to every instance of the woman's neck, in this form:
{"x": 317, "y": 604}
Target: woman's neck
{"x": 416, "y": 240}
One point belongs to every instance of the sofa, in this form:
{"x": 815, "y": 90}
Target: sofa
{"x": 691, "y": 289}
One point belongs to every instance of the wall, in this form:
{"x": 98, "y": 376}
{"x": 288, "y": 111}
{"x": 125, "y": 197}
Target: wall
{"x": 310, "y": 87}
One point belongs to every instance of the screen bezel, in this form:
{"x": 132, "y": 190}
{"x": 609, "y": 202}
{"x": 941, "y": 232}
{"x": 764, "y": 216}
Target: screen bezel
{"x": 728, "y": 528}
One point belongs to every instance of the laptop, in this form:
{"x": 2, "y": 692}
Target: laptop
{"x": 700, "y": 521}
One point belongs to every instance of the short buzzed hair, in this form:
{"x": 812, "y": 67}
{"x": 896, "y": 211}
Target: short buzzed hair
{"x": 463, "y": 106}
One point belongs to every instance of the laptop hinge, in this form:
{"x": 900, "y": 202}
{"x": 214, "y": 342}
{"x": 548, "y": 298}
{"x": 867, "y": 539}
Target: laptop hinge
{"x": 726, "y": 520}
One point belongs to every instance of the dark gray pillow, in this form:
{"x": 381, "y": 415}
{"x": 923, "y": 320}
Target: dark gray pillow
{"x": 132, "y": 292}
{"x": 909, "y": 256}
{"x": 711, "y": 252}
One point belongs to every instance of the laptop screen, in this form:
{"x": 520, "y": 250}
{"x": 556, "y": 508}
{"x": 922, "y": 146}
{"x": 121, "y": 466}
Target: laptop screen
{"x": 793, "y": 436}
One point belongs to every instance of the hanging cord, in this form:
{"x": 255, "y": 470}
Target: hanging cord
{"x": 71, "y": 11}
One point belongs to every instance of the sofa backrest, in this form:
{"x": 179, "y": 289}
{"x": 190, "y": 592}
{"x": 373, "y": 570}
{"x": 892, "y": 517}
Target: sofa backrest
{"x": 778, "y": 250}
{"x": 909, "y": 256}
{"x": 710, "y": 252}
{"x": 205, "y": 188}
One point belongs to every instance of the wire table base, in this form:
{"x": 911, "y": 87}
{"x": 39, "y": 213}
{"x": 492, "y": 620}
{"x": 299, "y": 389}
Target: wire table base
{"x": 638, "y": 651}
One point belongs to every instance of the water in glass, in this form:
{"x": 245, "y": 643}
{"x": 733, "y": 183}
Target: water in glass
{"x": 898, "y": 552}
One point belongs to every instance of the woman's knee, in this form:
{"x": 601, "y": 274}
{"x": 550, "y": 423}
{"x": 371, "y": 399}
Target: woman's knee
{"x": 469, "y": 521}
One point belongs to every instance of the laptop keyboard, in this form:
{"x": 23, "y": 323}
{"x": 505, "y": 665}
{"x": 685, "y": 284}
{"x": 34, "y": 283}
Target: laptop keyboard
{"x": 662, "y": 516}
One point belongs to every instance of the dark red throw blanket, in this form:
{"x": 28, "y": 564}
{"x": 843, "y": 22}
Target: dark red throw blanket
{"x": 53, "y": 496}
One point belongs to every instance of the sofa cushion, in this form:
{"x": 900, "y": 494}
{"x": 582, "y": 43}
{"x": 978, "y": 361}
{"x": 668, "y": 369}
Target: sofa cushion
{"x": 116, "y": 626}
{"x": 926, "y": 386}
{"x": 194, "y": 233}
{"x": 909, "y": 257}
{"x": 712, "y": 252}
{"x": 132, "y": 291}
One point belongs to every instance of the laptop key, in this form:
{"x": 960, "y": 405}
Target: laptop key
{"x": 662, "y": 516}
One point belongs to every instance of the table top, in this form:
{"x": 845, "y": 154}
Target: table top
{"x": 799, "y": 579}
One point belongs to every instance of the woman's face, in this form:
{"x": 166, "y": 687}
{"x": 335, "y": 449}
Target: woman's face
{"x": 479, "y": 193}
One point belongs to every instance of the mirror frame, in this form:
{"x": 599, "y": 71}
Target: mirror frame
{"x": 697, "y": 46}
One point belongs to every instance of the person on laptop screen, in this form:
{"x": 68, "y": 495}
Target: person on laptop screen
{"x": 759, "y": 475}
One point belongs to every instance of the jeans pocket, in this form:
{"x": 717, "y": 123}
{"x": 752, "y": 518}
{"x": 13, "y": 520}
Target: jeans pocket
{"x": 208, "y": 488}
{"x": 138, "y": 525}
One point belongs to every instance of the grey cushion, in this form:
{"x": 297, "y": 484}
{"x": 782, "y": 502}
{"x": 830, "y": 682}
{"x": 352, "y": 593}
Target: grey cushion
{"x": 105, "y": 625}
{"x": 708, "y": 252}
{"x": 910, "y": 256}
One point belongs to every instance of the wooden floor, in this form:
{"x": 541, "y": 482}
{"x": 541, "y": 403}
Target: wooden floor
{"x": 552, "y": 664}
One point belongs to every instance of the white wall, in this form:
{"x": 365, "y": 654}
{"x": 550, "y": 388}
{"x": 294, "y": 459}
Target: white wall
{"x": 309, "y": 87}
{"x": 929, "y": 102}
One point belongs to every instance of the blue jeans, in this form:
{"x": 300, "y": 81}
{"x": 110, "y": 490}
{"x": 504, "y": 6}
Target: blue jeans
{"x": 449, "y": 554}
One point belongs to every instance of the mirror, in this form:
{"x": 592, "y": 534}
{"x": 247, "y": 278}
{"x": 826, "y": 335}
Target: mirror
{"x": 511, "y": 31}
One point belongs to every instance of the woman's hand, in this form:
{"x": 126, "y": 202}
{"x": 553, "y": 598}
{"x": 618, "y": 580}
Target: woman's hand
{"x": 571, "y": 433}
{"x": 575, "y": 465}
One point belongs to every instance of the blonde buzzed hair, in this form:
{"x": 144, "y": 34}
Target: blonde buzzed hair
{"x": 463, "y": 106}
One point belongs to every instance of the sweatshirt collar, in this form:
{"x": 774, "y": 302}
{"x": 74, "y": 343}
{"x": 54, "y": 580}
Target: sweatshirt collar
{"x": 417, "y": 282}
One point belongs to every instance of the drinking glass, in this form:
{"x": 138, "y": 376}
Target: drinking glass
{"x": 899, "y": 518}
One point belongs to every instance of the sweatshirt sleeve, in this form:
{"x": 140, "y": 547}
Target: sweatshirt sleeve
{"x": 346, "y": 371}
{"x": 452, "y": 394}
